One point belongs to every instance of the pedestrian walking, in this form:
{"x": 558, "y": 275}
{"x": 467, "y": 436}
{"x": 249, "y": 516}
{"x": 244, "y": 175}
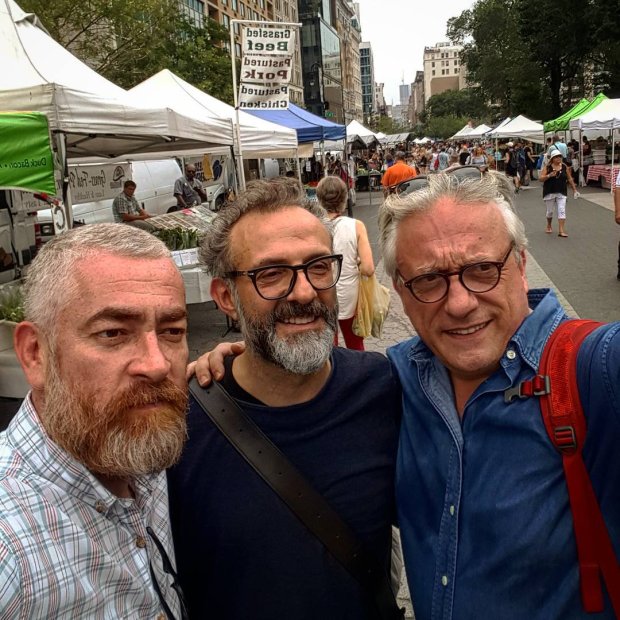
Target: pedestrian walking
{"x": 511, "y": 161}
{"x": 350, "y": 240}
{"x": 556, "y": 177}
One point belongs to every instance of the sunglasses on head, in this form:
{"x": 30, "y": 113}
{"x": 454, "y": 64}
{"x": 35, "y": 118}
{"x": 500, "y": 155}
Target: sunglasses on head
{"x": 421, "y": 181}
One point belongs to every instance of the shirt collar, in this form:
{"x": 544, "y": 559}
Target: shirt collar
{"x": 43, "y": 456}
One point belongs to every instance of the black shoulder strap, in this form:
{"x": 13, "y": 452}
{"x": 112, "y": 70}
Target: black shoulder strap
{"x": 307, "y": 504}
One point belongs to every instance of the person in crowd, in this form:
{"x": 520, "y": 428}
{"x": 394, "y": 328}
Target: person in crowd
{"x": 556, "y": 177}
{"x": 482, "y": 501}
{"x": 397, "y": 173}
{"x": 433, "y": 164}
{"x": 493, "y": 536}
{"x": 126, "y": 209}
{"x": 463, "y": 154}
{"x": 85, "y": 528}
{"x": 511, "y": 165}
{"x": 443, "y": 159}
{"x": 617, "y": 214}
{"x": 530, "y": 162}
{"x": 477, "y": 158}
{"x": 333, "y": 412}
{"x": 350, "y": 240}
{"x": 188, "y": 189}
{"x": 588, "y": 159}
{"x": 559, "y": 145}
{"x": 423, "y": 160}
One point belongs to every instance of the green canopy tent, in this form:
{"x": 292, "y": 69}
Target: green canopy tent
{"x": 561, "y": 122}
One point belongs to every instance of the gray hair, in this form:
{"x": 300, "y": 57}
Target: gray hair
{"x": 51, "y": 282}
{"x": 332, "y": 194}
{"x": 262, "y": 196}
{"x": 492, "y": 188}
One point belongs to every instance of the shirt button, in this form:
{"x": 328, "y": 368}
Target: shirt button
{"x": 100, "y": 506}
{"x": 444, "y": 581}
{"x": 140, "y": 542}
{"x": 510, "y": 354}
{"x": 452, "y": 510}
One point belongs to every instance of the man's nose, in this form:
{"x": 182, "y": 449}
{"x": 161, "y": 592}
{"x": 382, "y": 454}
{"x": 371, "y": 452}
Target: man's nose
{"x": 150, "y": 359}
{"x": 303, "y": 291}
{"x": 459, "y": 301}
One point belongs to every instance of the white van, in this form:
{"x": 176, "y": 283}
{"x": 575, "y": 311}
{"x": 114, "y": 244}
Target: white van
{"x": 154, "y": 190}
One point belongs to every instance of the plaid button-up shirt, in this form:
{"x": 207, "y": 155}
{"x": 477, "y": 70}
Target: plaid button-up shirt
{"x": 68, "y": 547}
{"x": 124, "y": 204}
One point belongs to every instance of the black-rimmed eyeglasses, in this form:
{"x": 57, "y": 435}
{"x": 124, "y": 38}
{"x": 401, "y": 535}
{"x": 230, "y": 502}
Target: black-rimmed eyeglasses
{"x": 476, "y": 277}
{"x": 277, "y": 281}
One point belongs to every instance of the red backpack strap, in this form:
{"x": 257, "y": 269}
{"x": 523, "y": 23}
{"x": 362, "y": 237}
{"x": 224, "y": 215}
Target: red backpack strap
{"x": 566, "y": 425}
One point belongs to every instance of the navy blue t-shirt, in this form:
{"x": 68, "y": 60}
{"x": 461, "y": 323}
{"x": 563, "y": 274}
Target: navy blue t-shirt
{"x": 241, "y": 554}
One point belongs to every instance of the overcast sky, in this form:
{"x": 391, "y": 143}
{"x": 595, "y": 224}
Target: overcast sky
{"x": 398, "y": 31}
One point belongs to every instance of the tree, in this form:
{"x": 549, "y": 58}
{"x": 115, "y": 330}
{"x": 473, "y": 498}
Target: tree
{"x": 387, "y": 125}
{"x": 467, "y": 102}
{"x": 127, "y": 41}
{"x": 444, "y": 126}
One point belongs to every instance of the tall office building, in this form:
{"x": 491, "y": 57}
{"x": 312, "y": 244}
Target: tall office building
{"x": 367, "y": 72}
{"x": 442, "y": 69}
{"x": 321, "y": 59}
{"x": 416, "y": 100}
{"x": 350, "y": 33}
{"x": 403, "y": 91}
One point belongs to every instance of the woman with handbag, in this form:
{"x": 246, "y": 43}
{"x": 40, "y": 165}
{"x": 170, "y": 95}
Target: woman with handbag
{"x": 350, "y": 240}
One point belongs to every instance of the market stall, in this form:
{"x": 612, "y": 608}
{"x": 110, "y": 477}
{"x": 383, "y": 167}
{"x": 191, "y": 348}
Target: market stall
{"x": 519, "y": 127}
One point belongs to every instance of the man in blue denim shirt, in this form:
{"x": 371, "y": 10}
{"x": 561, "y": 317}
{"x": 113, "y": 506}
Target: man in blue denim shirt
{"x": 483, "y": 507}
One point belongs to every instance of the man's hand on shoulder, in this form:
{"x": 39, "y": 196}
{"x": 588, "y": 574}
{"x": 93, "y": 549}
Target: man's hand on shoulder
{"x": 210, "y": 365}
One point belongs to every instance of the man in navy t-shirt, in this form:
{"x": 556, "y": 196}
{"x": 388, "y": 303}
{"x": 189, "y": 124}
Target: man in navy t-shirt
{"x": 334, "y": 413}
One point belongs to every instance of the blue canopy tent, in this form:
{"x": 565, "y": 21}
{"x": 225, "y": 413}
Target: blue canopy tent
{"x": 309, "y": 127}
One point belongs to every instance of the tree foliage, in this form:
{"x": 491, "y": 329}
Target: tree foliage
{"x": 467, "y": 102}
{"x": 443, "y": 127}
{"x": 534, "y": 59}
{"x": 127, "y": 41}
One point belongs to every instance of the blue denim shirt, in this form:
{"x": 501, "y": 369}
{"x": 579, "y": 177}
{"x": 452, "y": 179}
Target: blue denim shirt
{"x": 483, "y": 507}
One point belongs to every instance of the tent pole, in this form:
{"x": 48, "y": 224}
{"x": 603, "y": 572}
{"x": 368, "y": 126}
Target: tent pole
{"x": 236, "y": 128}
{"x": 61, "y": 146}
{"x": 298, "y": 166}
{"x": 613, "y": 148}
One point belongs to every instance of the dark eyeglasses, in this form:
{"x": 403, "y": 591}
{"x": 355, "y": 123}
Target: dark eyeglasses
{"x": 476, "y": 277}
{"x": 277, "y": 281}
{"x": 169, "y": 570}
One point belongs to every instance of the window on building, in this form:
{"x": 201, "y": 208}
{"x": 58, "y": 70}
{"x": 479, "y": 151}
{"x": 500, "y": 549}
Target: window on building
{"x": 224, "y": 2}
{"x": 242, "y": 9}
{"x": 233, "y": 4}
{"x": 262, "y": 4}
{"x": 237, "y": 50}
{"x": 433, "y": 71}
{"x": 236, "y": 28}
{"x": 225, "y": 20}
{"x": 432, "y": 64}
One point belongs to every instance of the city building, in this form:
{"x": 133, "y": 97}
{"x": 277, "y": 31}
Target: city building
{"x": 367, "y": 72}
{"x": 321, "y": 59}
{"x": 381, "y": 108}
{"x": 416, "y": 99}
{"x": 442, "y": 69}
{"x": 350, "y": 33}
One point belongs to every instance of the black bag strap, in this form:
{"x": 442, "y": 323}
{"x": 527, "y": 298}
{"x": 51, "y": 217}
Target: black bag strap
{"x": 290, "y": 485}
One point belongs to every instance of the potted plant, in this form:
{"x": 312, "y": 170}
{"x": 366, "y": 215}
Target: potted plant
{"x": 11, "y": 313}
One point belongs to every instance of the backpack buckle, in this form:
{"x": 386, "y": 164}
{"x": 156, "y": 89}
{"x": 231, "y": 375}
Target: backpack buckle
{"x": 540, "y": 385}
{"x": 565, "y": 439}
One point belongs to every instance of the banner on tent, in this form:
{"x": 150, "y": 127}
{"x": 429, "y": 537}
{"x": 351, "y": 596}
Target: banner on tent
{"x": 265, "y": 69}
{"x": 91, "y": 182}
{"x": 26, "y": 160}
{"x": 259, "y": 97}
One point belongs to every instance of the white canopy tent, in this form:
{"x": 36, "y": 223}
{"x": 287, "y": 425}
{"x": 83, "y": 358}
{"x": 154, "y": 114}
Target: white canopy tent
{"x": 606, "y": 115}
{"x": 461, "y": 133}
{"x": 356, "y": 129}
{"x": 520, "y": 127}
{"x": 478, "y": 132}
{"x": 258, "y": 137}
{"x": 94, "y": 116}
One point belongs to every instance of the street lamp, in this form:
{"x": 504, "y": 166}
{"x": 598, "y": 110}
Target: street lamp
{"x": 317, "y": 70}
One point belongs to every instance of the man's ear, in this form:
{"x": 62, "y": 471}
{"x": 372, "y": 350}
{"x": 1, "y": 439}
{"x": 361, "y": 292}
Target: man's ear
{"x": 222, "y": 296}
{"x": 32, "y": 352}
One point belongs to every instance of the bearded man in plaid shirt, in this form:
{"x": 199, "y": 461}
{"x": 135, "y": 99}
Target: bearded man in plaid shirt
{"x": 84, "y": 527}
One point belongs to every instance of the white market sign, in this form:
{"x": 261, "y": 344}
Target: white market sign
{"x": 92, "y": 182}
{"x": 258, "y": 97}
{"x": 273, "y": 41}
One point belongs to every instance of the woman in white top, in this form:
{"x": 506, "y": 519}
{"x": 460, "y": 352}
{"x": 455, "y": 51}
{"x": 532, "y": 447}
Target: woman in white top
{"x": 350, "y": 240}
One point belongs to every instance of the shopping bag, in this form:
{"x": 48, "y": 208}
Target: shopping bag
{"x": 373, "y": 302}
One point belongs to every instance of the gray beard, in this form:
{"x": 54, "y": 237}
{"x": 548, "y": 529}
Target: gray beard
{"x": 301, "y": 354}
